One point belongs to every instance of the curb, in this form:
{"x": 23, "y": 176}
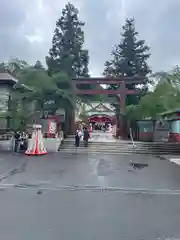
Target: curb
{"x": 175, "y": 160}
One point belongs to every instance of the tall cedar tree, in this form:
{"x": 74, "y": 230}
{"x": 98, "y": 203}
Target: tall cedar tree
{"x": 129, "y": 58}
{"x": 67, "y": 53}
{"x": 38, "y": 65}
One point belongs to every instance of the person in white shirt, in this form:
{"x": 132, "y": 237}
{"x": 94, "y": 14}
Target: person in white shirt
{"x": 78, "y": 135}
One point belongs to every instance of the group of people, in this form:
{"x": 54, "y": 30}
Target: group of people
{"x": 20, "y": 141}
{"x": 102, "y": 126}
{"x": 82, "y": 134}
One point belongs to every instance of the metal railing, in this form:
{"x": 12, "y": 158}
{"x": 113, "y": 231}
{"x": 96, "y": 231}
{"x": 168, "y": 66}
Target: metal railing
{"x": 131, "y": 137}
{"x": 6, "y": 136}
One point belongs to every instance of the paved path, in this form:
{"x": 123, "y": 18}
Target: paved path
{"x": 174, "y": 159}
{"x": 96, "y": 170}
{"x": 70, "y": 215}
{"x": 94, "y": 196}
{"x": 102, "y": 137}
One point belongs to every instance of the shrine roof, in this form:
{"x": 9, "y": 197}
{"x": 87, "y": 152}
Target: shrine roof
{"x": 7, "y": 78}
{"x": 177, "y": 110}
{"x": 100, "y": 107}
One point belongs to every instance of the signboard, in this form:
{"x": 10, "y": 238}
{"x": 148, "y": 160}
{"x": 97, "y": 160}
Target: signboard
{"x": 52, "y": 127}
{"x": 162, "y": 125}
{"x": 60, "y": 113}
{"x": 46, "y": 113}
{"x": 145, "y": 126}
{"x": 161, "y": 133}
{"x": 4, "y": 99}
{"x": 49, "y": 126}
{"x": 49, "y": 105}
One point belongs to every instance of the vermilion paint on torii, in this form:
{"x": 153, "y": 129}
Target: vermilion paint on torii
{"x": 123, "y": 91}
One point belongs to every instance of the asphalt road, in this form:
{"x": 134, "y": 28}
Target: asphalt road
{"x": 79, "y": 196}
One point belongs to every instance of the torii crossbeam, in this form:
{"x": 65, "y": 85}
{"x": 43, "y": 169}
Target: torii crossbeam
{"x": 122, "y": 91}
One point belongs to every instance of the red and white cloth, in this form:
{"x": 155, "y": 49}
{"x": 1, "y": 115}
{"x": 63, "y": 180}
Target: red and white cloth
{"x": 36, "y": 146}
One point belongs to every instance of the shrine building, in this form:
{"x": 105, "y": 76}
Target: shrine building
{"x": 97, "y": 112}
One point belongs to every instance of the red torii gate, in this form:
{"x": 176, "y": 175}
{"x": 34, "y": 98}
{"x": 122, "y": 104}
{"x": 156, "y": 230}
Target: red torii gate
{"x": 123, "y": 91}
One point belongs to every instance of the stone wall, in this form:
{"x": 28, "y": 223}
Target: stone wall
{"x": 51, "y": 144}
{"x": 6, "y": 145}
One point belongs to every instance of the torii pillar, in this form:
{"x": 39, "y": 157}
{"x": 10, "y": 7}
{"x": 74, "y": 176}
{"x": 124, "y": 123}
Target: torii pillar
{"x": 122, "y": 91}
{"x": 122, "y": 103}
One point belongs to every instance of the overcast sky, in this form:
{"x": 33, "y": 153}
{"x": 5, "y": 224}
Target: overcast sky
{"x": 26, "y": 28}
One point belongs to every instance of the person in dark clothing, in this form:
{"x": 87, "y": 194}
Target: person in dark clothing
{"x": 86, "y": 137}
{"x": 17, "y": 138}
{"x": 23, "y": 141}
{"x": 77, "y": 138}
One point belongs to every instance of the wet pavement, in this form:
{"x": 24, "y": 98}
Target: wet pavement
{"x": 88, "y": 215}
{"x": 89, "y": 196}
{"x": 94, "y": 170}
{"x": 102, "y": 137}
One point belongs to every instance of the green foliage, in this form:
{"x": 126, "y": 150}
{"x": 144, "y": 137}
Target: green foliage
{"x": 67, "y": 51}
{"x": 15, "y": 65}
{"x": 33, "y": 90}
{"x": 44, "y": 87}
{"x": 67, "y": 54}
{"x": 164, "y": 97}
{"x": 130, "y": 55}
{"x": 129, "y": 58}
{"x": 19, "y": 110}
{"x": 2, "y": 67}
{"x": 38, "y": 65}
{"x": 83, "y": 117}
{"x": 36, "y": 79}
{"x": 36, "y": 85}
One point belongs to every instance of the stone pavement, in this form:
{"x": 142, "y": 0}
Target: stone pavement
{"x": 81, "y": 215}
{"x": 9, "y": 162}
{"x": 102, "y": 137}
{"x": 89, "y": 196}
{"x": 96, "y": 169}
{"x": 93, "y": 170}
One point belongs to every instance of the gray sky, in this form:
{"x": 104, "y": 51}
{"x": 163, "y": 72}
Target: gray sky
{"x": 26, "y": 28}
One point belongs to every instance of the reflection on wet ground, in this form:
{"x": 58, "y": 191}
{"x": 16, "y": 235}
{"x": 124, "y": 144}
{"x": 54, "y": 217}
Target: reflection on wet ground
{"x": 98, "y": 170}
{"x": 89, "y": 196}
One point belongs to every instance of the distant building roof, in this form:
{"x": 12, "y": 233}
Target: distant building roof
{"x": 177, "y": 110}
{"x": 6, "y": 77}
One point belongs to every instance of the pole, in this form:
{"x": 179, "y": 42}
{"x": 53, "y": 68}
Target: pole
{"x": 123, "y": 90}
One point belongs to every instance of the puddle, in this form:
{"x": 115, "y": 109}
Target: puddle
{"x": 138, "y": 165}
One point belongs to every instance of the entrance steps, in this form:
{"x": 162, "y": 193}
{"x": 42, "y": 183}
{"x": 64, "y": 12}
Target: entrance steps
{"x": 121, "y": 147}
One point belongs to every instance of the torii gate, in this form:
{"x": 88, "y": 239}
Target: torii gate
{"x": 122, "y": 90}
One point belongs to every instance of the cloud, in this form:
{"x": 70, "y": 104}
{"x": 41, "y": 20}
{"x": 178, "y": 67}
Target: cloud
{"x": 26, "y": 28}
{"x": 15, "y": 25}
